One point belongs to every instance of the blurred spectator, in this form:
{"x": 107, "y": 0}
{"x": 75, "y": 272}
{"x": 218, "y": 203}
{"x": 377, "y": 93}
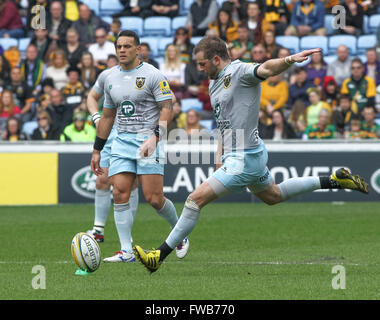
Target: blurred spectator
{"x": 307, "y": 19}
{"x": 288, "y": 74}
{"x": 112, "y": 61}
{"x": 270, "y": 45}
{"x": 44, "y": 104}
{"x": 280, "y": 129}
{"x": 167, "y": 8}
{"x": 79, "y": 130}
{"x": 102, "y": 48}
{"x": 256, "y": 24}
{"x": 140, "y": 8}
{"x": 73, "y": 91}
{"x": 10, "y": 20}
{"x": 372, "y": 66}
{"x": 274, "y": 94}
{"x": 264, "y": 123}
{"x": 179, "y": 117}
{"x": 44, "y": 45}
{"x": 237, "y": 8}
{"x": 46, "y": 130}
{"x": 297, "y": 118}
{"x": 32, "y": 69}
{"x": 316, "y": 105}
{"x": 4, "y": 71}
{"x": 73, "y": 48}
{"x": 277, "y": 14}
{"x": 241, "y": 48}
{"x": 13, "y": 56}
{"x": 13, "y": 131}
{"x": 342, "y": 115}
{"x": 46, "y": 86}
{"x": 57, "y": 24}
{"x": 193, "y": 78}
{"x": 361, "y": 88}
{"x": 371, "y": 130}
{"x": 87, "y": 24}
{"x": 200, "y": 15}
{"x": 258, "y": 53}
{"x": 316, "y": 70}
{"x": 22, "y": 93}
{"x": 193, "y": 127}
{"x": 298, "y": 90}
{"x": 322, "y": 129}
{"x": 354, "y": 130}
{"x": 115, "y": 28}
{"x": 330, "y": 92}
{"x": 174, "y": 70}
{"x": 207, "y": 112}
{"x": 57, "y": 71}
{"x": 225, "y": 26}
{"x": 182, "y": 40}
{"x": 329, "y": 4}
{"x": 340, "y": 68}
{"x": 354, "y": 19}
{"x": 88, "y": 71}
{"x": 63, "y": 114}
{"x": 370, "y": 7}
{"x": 145, "y": 55}
{"x": 7, "y": 106}
{"x": 72, "y": 10}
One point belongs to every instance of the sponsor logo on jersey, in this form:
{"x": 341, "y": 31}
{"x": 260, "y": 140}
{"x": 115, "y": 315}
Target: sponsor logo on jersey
{"x": 227, "y": 81}
{"x": 165, "y": 89}
{"x": 140, "y": 83}
{"x": 128, "y": 108}
{"x": 217, "y": 110}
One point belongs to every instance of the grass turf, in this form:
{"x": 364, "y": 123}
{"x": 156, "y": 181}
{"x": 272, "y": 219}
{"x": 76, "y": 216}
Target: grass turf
{"x": 237, "y": 251}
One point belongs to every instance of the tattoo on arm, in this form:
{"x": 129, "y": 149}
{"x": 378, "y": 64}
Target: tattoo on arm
{"x": 165, "y": 104}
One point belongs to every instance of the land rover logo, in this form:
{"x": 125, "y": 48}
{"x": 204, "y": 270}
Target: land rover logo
{"x": 84, "y": 182}
{"x": 375, "y": 181}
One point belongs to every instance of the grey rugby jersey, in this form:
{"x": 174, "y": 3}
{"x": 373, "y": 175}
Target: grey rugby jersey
{"x": 235, "y": 99}
{"x": 135, "y": 94}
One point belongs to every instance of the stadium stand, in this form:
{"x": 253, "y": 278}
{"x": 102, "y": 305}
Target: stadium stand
{"x": 6, "y": 43}
{"x": 133, "y": 23}
{"x": 337, "y": 40}
{"x": 191, "y": 103}
{"x": 157, "y": 26}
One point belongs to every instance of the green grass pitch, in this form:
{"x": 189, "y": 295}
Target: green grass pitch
{"x": 237, "y": 251}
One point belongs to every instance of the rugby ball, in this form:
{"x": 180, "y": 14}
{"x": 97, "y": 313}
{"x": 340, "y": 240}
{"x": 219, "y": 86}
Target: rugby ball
{"x": 85, "y": 251}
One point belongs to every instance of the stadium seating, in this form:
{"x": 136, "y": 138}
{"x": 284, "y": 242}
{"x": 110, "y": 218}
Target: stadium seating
{"x": 178, "y": 22}
{"x": 23, "y": 44}
{"x": 109, "y": 7}
{"x": 157, "y": 26}
{"x": 162, "y": 44}
{"x": 94, "y": 5}
{"x": 373, "y": 23}
{"x": 365, "y": 42}
{"x": 191, "y": 103}
{"x": 6, "y": 43}
{"x": 310, "y": 42}
{"x": 348, "y": 40}
{"x": 107, "y": 19}
{"x": 28, "y": 127}
{"x": 289, "y": 42}
{"x": 133, "y": 23}
{"x": 365, "y": 25}
{"x": 208, "y": 124}
{"x": 329, "y": 19}
{"x": 153, "y": 43}
{"x": 195, "y": 40}
{"x": 329, "y": 59}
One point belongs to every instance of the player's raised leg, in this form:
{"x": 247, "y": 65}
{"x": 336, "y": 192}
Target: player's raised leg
{"x": 152, "y": 185}
{"x": 186, "y": 223}
{"x": 122, "y": 187}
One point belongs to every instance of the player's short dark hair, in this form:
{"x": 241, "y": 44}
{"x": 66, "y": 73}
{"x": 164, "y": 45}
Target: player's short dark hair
{"x": 128, "y": 33}
{"x": 212, "y": 46}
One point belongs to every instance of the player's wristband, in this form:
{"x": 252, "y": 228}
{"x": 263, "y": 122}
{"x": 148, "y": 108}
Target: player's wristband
{"x": 159, "y": 131}
{"x": 289, "y": 60}
{"x": 96, "y": 117}
{"x": 99, "y": 143}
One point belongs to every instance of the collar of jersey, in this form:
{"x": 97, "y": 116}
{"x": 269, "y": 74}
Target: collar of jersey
{"x": 221, "y": 73}
{"x": 139, "y": 66}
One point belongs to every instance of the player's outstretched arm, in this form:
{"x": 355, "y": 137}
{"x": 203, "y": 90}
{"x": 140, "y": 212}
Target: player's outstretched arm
{"x": 274, "y": 67}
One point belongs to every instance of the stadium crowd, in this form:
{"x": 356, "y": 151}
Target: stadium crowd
{"x": 44, "y": 87}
